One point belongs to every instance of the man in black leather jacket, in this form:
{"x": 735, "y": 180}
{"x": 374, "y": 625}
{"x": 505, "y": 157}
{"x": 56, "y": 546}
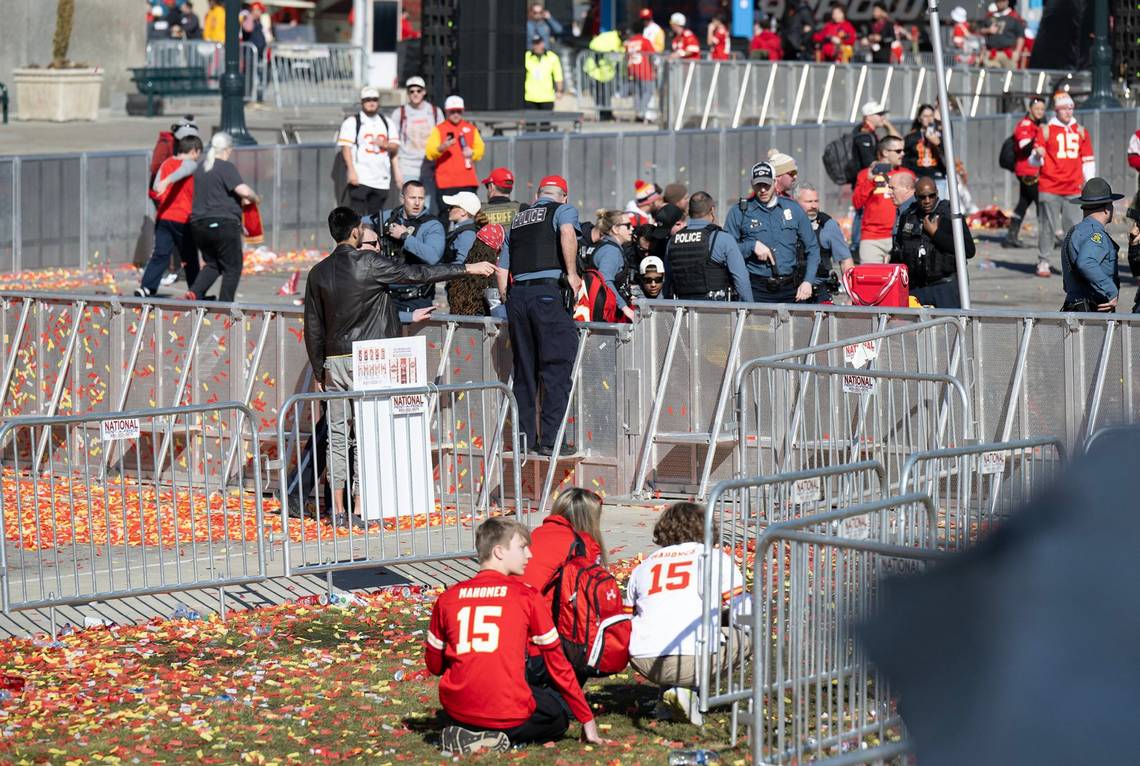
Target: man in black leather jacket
{"x": 347, "y": 300}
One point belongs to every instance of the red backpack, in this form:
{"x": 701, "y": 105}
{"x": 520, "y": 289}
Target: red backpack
{"x": 589, "y": 615}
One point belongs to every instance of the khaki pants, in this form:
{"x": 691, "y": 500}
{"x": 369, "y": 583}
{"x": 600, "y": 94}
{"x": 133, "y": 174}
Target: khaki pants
{"x": 681, "y": 669}
{"x": 338, "y": 377}
{"x": 875, "y": 251}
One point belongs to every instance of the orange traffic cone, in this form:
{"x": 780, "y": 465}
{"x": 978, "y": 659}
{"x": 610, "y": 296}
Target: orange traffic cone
{"x": 290, "y": 286}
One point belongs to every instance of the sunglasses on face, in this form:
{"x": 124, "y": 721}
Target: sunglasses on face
{"x": 370, "y": 243}
{"x": 366, "y": 100}
{"x": 415, "y": 90}
{"x": 653, "y": 280}
{"x": 623, "y": 226}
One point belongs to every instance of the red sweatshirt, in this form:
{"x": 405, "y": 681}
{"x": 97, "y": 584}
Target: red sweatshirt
{"x": 477, "y": 641}
{"x": 873, "y": 197}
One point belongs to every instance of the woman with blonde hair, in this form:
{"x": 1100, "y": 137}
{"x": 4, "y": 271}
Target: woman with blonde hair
{"x": 577, "y": 513}
{"x": 607, "y": 257}
{"x": 215, "y": 219}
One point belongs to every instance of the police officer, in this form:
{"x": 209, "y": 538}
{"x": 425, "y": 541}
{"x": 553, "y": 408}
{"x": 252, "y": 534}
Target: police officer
{"x": 768, "y": 229}
{"x": 465, "y": 221}
{"x": 832, "y": 244}
{"x": 540, "y": 253}
{"x": 1088, "y": 257}
{"x": 924, "y": 242}
{"x": 500, "y": 208}
{"x": 416, "y": 237}
{"x": 702, "y": 262}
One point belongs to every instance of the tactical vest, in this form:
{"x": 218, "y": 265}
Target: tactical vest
{"x": 817, "y": 225}
{"x": 925, "y": 264}
{"x": 535, "y": 244}
{"x": 413, "y": 224}
{"x": 502, "y": 213}
{"x": 450, "y": 254}
{"x": 694, "y": 275}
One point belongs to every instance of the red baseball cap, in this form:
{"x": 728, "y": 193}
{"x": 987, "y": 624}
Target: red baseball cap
{"x": 500, "y": 177}
{"x": 492, "y": 235}
{"x": 645, "y": 13}
{"x": 558, "y": 181}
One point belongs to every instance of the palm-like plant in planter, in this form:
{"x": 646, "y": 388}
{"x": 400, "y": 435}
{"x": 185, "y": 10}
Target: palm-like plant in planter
{"x": 63, "y": 90}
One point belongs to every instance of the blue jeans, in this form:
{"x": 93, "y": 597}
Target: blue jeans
{"x": 169, "y": 235}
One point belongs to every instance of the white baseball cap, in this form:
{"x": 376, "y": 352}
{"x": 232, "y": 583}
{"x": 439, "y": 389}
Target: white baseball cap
{"x": 453, "y": 102}
{"x": 464, "y": 199}
{"x": 958, "y": 15}
{"x": 678, "y": 19}
{"x": 369, "y": 92}
{"x": 651, "y": 262}
{"x": 414, "y": 81}
{"x": 874, "y": 107}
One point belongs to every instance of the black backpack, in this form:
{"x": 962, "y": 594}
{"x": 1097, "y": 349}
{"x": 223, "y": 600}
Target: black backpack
{"x": 1007, "y": 155}
{"x": 839, "y": 159}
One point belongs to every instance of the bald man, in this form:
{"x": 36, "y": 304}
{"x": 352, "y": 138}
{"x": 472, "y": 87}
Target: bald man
{"x": 924, "y": 242}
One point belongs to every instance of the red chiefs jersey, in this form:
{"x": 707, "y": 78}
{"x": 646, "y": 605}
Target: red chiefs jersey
{"x": 687, "y": 44}
{"x": 477, "y": 640}
{"x": 639, "y": 55}
{"x": 1134, "y": 151}
{"x": 1024, "y": 137}
{"x": 1067, "y": 150}
{"x": 721, "y": 45}
{"x": 175, "y": 203}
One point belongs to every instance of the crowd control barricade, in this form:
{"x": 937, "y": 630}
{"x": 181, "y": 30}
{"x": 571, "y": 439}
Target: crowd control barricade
{"x": 104, "y": 506}
{"x": 811, "y": 416}
{"x": 323, "y": 74}
{"x": 426, "y": 461}
{"x": 738, "y": 512}
{"x": 815, "y": 694}
{"x": 975, "y": 487}
{"x": 210, "y": 57}
{"x": 620, "y": 83}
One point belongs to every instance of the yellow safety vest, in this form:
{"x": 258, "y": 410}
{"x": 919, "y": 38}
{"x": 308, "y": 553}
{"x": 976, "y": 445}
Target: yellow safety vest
{"x": 603, "y": 68}
{"x": 541, "y": 74}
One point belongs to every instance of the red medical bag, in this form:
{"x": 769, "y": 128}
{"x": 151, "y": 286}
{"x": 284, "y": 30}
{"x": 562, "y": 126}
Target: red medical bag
{"x": 878, "y": 284}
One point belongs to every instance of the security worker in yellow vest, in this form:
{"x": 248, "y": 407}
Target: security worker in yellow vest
{"x": 543, "y": 76}
{"x": 602, "y": 69}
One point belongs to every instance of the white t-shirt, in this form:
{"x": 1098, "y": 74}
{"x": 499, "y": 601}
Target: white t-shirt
{"x": 373, "y": 166}
{"x": 665, "y": 593}
{"x": 412, "y": 127}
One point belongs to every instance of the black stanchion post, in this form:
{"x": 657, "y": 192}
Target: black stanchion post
{"x": 233, "y": 82}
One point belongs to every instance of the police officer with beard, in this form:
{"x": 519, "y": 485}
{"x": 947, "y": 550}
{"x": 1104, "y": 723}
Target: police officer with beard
{"x": 775, "y": 238}
{"x": 540, "y": 253}
{"x": 702, "y": 262}
{"x": 924, "y": 243}
{"x": 414, "y": 236}
{"x": 500, "y": 208}
{"x": 832, "y": 244}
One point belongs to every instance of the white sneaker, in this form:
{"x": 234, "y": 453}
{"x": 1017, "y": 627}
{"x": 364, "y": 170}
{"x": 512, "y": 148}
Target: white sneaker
{"x": 1043, "y": 269}
{"x": 170, "y": 278}
{"x": 684, "y": 704}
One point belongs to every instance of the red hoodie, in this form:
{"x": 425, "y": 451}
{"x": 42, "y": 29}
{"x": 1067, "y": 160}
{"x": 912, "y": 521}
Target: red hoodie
{"x": 873, "y": 197}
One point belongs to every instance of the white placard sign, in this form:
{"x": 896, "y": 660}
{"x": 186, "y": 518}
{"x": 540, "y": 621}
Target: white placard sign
{"x": 807, "y": 491}
{"x": 119, "y": 429}
{"x": 859, "y": 355}
{"x": 858, "y": 384}
{"x": 993, "y": 462}
{"x": 392, "y": 434}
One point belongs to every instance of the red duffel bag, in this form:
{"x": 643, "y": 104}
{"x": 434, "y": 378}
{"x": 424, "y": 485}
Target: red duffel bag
{"x": 251, "y": 227}
{"x": 878, "y": 284}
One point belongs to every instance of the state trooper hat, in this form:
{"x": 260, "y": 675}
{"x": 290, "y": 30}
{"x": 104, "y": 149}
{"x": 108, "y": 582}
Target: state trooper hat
{"x": 763, "y": 173}
{"x": 1096, "y": 192}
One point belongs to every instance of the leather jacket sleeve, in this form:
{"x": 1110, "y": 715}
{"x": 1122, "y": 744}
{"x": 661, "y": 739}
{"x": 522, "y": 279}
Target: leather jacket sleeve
{"x": 390, "y": 271}
{"x": 315, "y": 329}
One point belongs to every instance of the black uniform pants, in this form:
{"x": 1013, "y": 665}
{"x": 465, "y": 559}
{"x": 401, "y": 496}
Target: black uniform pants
{"x": 762, "y": 293}
{"x": 364, "y": 200}
{"x": 943, "y": 294}
{"x": 548, "y": 722}
{"x": 543, "y": 342}
{"x": 1026, "y": 196}
{"x": 219, "y": 240}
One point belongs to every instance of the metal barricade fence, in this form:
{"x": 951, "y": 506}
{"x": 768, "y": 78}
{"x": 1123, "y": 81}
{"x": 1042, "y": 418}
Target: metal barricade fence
{"x": 811, "y": 416}
{"x": 815, "y": 694}
{"x": 426, "y": 464}
{"x": 620, "y": 83}
{"x": 104, "y": 506}
{"x": 324, "y": 74}
{"x": 210, "y": 58}
{"x": 738, "y": 513}
{"x": 974, "y": 488}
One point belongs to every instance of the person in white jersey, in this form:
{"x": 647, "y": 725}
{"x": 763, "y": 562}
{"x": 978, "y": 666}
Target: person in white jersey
{"x": 365, "y": 142}
{"x": 665, "y": 593}
{"x": 412, "y": 124}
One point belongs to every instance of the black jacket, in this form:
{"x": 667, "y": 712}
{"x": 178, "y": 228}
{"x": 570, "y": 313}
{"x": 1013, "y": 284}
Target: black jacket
{"x": 796, "y": 42}
{"x": 346, "y": 299}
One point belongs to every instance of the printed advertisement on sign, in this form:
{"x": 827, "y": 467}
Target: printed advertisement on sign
{"x": 858, "y": 384}
{"x": 993, "y": 462}
{"x": 393, "y": 431}
{"x": 859, "y": 355}
{"x": 119, "y": 429}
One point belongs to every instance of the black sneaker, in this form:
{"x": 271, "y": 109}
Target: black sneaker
{"x": 564, "y": 451}
{"x": 346, "y": 520}
{"x": 142, "y": 292}
{"x": 460, "y": 741}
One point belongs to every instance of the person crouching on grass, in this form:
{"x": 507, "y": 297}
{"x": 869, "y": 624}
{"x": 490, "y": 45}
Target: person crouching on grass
{"x": 477, "y": 643}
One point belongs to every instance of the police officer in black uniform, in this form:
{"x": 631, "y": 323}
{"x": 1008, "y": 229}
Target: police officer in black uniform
{"x": 500, "y": 208}
{"x": 702, "y": 262}
{"x": 924, "y": 243}
{"x": 413, "y": 235}
{"x": 540, "y": 253}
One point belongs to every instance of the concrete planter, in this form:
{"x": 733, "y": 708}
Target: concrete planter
{"x": 57, "y": 95}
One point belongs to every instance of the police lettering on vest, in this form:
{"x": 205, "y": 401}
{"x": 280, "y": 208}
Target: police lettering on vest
{"x": 694, "y": 274}
{"x": 535, "y": 244}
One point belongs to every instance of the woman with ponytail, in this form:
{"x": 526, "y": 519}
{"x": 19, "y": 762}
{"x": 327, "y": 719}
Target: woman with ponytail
{"x": 607, "y": 257}
{"x": 215, "y": 219}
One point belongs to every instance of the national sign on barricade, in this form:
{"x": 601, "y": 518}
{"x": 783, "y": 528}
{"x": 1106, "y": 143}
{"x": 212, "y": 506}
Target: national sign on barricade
{"x": 104, "y": 506}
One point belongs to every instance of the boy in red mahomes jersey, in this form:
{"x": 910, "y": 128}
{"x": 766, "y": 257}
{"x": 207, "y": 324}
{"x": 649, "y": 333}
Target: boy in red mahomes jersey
{"x": 477, "y": 641}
